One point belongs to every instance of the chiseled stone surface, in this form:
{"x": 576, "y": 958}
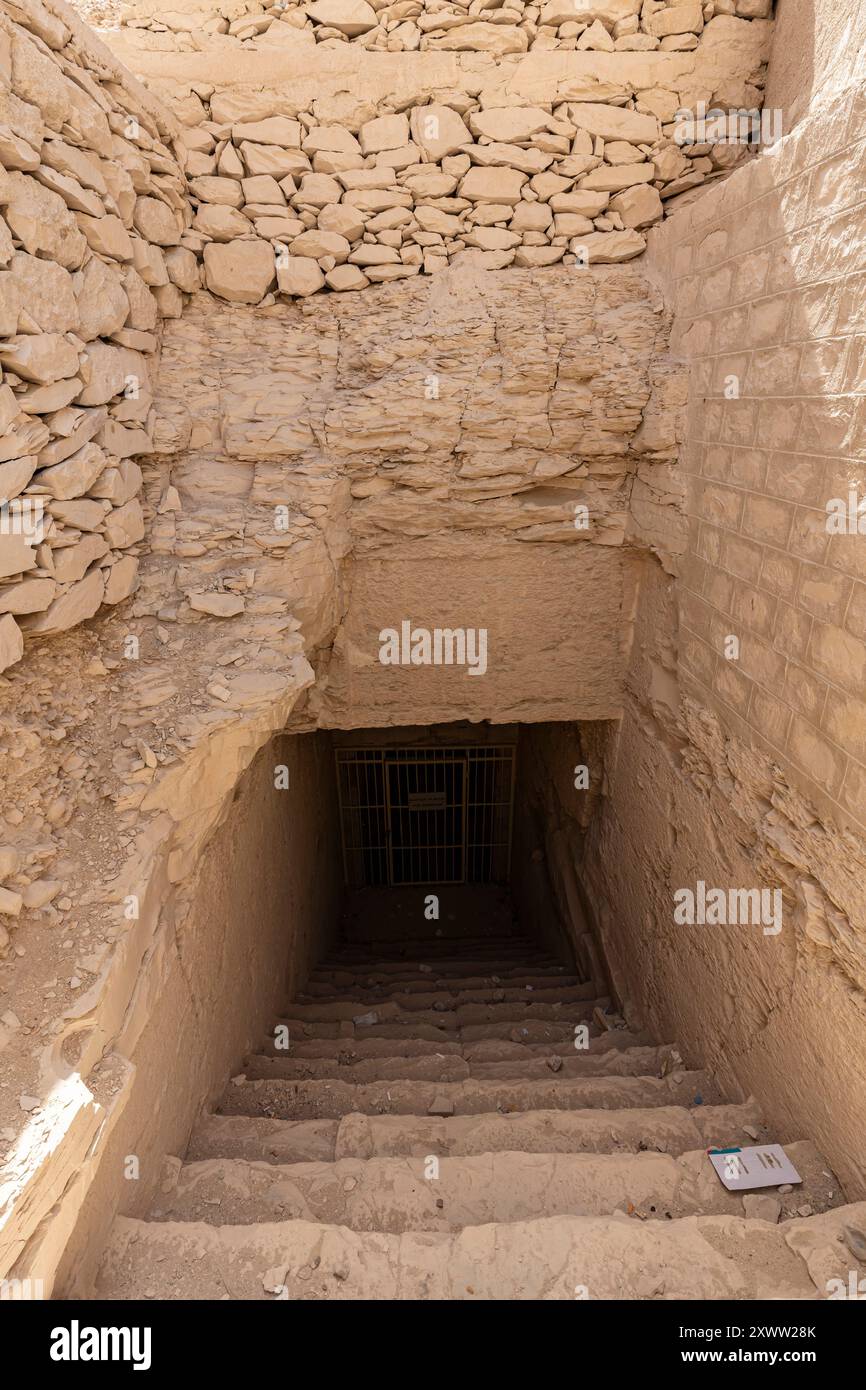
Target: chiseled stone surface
{"x": 770, "y": 316}
{"x": 750, "y": 769}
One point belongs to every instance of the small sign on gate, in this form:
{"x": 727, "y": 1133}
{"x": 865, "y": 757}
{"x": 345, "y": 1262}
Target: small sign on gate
{"x": 427, "y": 801}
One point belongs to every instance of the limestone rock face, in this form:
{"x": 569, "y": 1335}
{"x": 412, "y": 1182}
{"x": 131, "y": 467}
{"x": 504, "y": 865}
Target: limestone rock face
{"x": 46, "y": 290}
{"x": 383, "y": 400}
{"x": 685, "y": 18}
{"x": 156, "y": 222}
{"x": 439, "y": 130}
{"x": 122, "y": 580}
{"x": 607, "y": 249}
{"x": 609, "y": 12}
{"x": 299, "y": 276}
{"x": 41, "y": 357}
{"x": 75, "y": 475}
{"x": 216, "y": 604}
{"x": 497, "y": 186}
{"x": 16, "y": 554}
{"x": 614, "y": 122}
{"x": 510, "y": 124}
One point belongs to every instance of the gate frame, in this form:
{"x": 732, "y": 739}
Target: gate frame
{"x": 385, "y": 754}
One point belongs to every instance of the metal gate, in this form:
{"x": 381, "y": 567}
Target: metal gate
{"x": 426, "y": 815}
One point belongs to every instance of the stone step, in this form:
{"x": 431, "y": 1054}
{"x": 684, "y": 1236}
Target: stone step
{"x": 669, "y": 1129}
{"x": 409, "y": 936}
{"x": 274, "y": 1141}
{"x": 451, "y": 1066}
{"x": 441, "y": 1027}
{"x": 362, "y": 1048}
{"x": 531, "y": 1030}
{"x": 433, "y": 998}
{"x": 415, "y": 981}
{"x": 302, "y": 1100}
{"x": 610, "y": 1040}
{"x": 392, "y": 935}
{"x": 389, "y": 1011}
{"x": 561, "y": 1257}
{"x": 516, "y": 967}
{"x": 484, "y": 955}
{"x": 639, "y": 1061}
{"x": 444, "y": 1029}
{"x": 426, "y": 1193}
{"x": 352, "y": 1049}
{"x": 421, "y": 973}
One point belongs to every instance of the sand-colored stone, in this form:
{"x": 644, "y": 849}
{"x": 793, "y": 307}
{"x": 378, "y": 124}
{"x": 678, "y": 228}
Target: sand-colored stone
{"x": 242, "y": 271}
{"x": 404, "y": 422}
{"x": 299, "y": 275}
{"x": 351, "y": 17}
{"x": 638, "y": 206}
{"x": 79, "y": 602}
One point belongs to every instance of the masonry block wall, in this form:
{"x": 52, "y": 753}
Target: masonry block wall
{"x": 745, "y": 768}
{"x": 770, "y": 296}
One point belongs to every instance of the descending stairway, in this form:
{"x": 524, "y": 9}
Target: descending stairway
{"x": 432, "y": 1132}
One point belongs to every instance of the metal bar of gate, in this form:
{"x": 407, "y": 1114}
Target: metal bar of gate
{"x": 435, "y": 843}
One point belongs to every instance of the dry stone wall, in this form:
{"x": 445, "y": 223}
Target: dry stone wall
{"x": 287, "y": 202}
{"x": 498, "y": 27}
{"x": 94, "y": 206}
{"x": 346, "y": 168}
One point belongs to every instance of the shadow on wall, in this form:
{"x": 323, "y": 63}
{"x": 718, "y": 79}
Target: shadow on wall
{"x": 239, "y": 941}
{"x": 819, "y": 48}
{"x": 558, "y": 790}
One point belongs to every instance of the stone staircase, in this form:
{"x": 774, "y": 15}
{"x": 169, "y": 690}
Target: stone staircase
{"x": 433, "y": 1133}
